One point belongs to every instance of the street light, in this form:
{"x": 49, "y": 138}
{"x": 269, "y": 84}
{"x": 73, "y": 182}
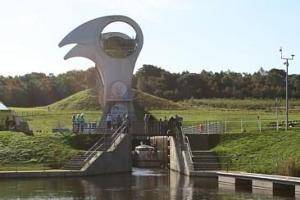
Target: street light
{"x": 286, "y": 63}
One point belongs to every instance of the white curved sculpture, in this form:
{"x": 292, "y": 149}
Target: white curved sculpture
{"x": 114, "y": 54}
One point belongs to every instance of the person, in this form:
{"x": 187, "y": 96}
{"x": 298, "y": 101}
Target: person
{"x": 82, "y": 122}
{"x": 74, "y": 122}
{"x": 160, "y": 126}
{"x": 178, "y": 121}
{"x": 119, "y": 121}
{"x": 171, "y": 123}
{"x": 77, "y": 121}
{"x": 146, "y": 123}
{"x": 108, "y": 121}
{"x": 114, "y": 122}
{"x": 151, "y": 123}
{"x": 165, "y": 125}
{"x": 13, "y": 122}
{"x": 126, "y": 124}
{"x": 7, "y": 124}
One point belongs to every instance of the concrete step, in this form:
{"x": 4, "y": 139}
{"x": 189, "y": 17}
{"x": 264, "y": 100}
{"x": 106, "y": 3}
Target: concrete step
{"x": 72, "y": 168}
{"x": 205, "y": 160}
{"x": 206, "y": 166}
{"x": 203, "y": 153}
{"x": 206, "y": 169}
{"x": 75, "y": 161}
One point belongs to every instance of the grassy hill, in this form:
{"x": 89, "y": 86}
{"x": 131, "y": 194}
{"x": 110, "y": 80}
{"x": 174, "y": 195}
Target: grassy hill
{"x": 88, "y": 100}
{"x": 83, "y": 100}
{"x": 150, "y": 102}
{"x": 268, "y": 152}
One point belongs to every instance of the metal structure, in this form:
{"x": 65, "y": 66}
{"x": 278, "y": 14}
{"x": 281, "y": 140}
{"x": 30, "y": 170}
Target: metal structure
{"x": 286, "y": 63}
{"x": 114, "y": 55}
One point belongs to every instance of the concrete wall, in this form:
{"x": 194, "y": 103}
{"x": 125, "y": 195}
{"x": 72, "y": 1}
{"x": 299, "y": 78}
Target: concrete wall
{"x": 116, "y": 159}
{"x": 201, "y": 142}
{"x": 178, "y": 158}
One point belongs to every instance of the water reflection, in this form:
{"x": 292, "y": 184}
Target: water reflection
{"x": 141, "y": 184}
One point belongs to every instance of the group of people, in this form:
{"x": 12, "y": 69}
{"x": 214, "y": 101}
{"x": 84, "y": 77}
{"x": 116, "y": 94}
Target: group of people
{"x": 162, "y": 126}
{"x": 78, "y": 122}
{"x": 115, "y": 121}
{"x": 151, "y": 125}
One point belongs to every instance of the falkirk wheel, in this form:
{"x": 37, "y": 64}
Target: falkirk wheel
{"x": 114, "y": 55}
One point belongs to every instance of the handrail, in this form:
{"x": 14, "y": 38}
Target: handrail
{"x": 187, "y": 143}
{"x": 114, "y": 138}
{"x": 94, "y": 146}
{"x": 93, "y": 150}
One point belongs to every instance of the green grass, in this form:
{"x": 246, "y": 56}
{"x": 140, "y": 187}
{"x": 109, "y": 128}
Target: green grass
{"x": 33, "y": 152}
{"x": 247, "y": 104}
{"x": 87, "y": 100}
{"x": 84, "y": 100}
{"x": 213, "y": 114}
{"x": 150, "y": 102}
{"x": 43, "y": 120}
{"x": 267, "y": 152}
{"x": 59, "y": 114}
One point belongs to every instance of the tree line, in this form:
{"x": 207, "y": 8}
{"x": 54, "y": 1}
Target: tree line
{"x": 206, "y": 84}
{"x": 39, "y": 89}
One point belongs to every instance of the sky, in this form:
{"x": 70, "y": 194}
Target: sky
{"x": 179, "y": 35}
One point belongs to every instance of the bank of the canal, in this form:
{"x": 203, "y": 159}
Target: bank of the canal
{"x": 269, "y": 152}
{"x": 143, "y": 184}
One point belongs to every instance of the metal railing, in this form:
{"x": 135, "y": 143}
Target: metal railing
{"x": 237, "y": 126}
{"x": 207, "y": 127}
{"x": 103, "y": 144}
{"x": 189, "y": 151}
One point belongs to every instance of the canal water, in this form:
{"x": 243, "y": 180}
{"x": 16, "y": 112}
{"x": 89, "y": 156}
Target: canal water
{"x": 144, "y": 184}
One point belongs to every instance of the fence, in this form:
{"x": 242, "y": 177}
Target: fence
{"x": 238, "y": 126}
{"x": 207, "y": 127}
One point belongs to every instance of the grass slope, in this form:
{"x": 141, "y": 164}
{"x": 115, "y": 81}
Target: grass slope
{"x": 267, "y": 152}
{"x": 150, "y": 102}
{"x": 83, "y": 100}
{"x": 33, "y": 152}
{"x": 88, "y": 100}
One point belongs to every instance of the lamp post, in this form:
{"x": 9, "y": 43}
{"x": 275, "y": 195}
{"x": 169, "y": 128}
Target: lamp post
{"x": 286, "y": 63}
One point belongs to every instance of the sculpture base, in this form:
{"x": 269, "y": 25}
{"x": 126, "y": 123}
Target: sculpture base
{"x": 115, "y": 108}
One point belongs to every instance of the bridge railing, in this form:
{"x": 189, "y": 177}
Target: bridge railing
{"x": 237, "y": 126}
{"x": 155, "y": 128}
{"x": 103, "y": 143}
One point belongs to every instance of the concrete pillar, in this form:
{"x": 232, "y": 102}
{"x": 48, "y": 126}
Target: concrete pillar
{"x": 297, "y": 191}
{"x": 262, "y": 187}
{"x": 226, "y": 184}
{"x": 226, "y": 180}
{"x": 226, "y": 187}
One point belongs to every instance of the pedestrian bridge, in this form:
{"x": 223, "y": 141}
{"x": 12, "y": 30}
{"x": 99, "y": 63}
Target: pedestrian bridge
{"x": 136, "y": 128}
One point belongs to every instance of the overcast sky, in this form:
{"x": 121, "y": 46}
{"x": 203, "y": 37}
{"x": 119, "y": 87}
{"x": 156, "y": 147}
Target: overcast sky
{"x": 239, "y": 35}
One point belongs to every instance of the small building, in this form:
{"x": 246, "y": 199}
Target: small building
{"x": 3, "y": 108}
{"x": 4, "y": 113}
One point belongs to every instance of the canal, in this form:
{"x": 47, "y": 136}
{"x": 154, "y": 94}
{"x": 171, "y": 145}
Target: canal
{"x": 145, "y": 184}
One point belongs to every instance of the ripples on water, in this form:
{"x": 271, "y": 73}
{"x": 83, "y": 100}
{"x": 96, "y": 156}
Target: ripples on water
{"x": 144, "y": 184}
